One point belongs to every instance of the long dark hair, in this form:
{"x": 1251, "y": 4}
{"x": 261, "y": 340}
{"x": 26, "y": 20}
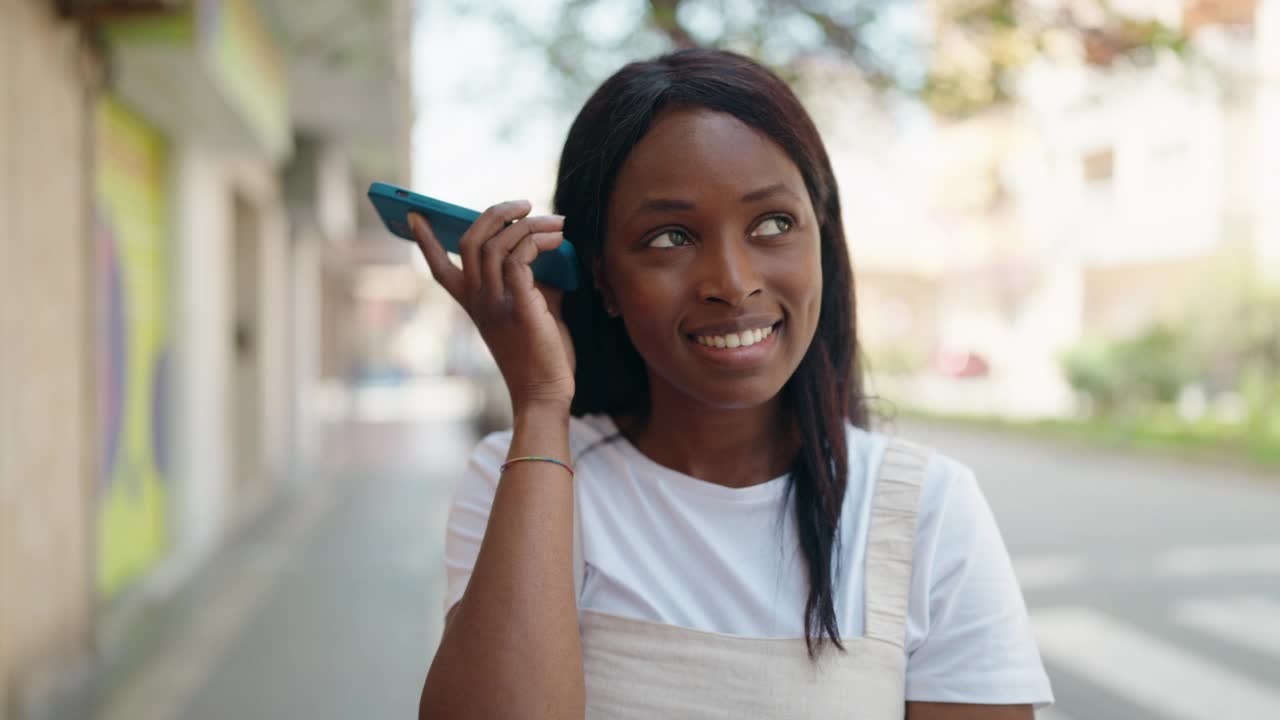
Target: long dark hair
{"x": 826, "y": 390}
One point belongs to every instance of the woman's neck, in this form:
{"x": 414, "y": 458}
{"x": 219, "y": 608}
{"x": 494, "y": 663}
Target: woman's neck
{"x": 734, "y": 448}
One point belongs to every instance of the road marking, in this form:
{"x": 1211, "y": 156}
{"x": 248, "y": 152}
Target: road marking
{"x": 1146, "y": 671}
{"x": 1037, "y": 572}
{"x": 1250, "y": 620}
{"x": 1261, "y": 558}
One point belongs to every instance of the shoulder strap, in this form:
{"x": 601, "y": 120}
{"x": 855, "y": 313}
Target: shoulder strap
{"x": 891, "y": 540}
{"x": 579, "y": 563}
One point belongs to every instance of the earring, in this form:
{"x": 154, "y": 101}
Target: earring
{"x": 612, "y": 310}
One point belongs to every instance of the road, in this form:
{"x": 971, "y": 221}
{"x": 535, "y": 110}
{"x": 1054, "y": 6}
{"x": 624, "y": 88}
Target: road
{"x": 1154, "y": 586}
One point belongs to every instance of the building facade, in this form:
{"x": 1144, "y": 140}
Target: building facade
{"x": 1097, "y": 203}
{"x": 179, "y": 185}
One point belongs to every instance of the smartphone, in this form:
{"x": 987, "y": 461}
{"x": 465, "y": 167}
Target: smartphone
{"x": 557, "y": 268}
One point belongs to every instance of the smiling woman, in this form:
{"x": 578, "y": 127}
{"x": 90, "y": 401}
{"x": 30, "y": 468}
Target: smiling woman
{"x": 690, "y": 518}
{"x": 719, "y": 260}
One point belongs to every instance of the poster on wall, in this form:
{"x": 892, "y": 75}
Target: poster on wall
{"x": 131, "y": 239}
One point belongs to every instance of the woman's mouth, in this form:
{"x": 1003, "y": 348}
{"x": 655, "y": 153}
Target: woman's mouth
{"x": 741, "y": 349}
{"x": 746, "y": 338}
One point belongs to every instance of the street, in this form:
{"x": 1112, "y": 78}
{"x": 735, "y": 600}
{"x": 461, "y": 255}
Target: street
{"x": 1154, "y": 585}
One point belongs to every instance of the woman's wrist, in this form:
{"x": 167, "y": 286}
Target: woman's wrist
{"x": 541, "y": 432}
{"x": 539, "y": 413}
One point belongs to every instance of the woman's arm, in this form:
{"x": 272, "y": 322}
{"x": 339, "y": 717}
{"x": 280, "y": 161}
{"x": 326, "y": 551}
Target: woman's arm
{"x": 960, "y": 711}
{"x": 510, "y": 648}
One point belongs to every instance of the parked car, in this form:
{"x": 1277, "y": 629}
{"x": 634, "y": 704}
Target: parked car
{"x": 962, "y": 364}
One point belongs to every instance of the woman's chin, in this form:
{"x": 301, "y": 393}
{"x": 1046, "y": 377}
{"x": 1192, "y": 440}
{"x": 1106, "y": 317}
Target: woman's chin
{"x": 738, "y": 396}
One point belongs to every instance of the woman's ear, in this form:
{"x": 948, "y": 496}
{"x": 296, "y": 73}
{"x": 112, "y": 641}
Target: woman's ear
{"x": 602, "y": 286}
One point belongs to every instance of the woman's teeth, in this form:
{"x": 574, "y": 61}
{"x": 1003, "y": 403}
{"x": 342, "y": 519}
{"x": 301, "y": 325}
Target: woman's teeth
{"x": 742, "y": 339}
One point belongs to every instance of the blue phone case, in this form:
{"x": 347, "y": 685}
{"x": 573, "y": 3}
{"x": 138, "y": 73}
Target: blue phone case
{"x": 557, "y": 268}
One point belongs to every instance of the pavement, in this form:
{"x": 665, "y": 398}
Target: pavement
{"x": 327, "y": 607}
{"x": 1154, "y": 585}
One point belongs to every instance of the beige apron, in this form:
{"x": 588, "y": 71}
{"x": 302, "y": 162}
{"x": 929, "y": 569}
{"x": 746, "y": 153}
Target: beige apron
{"x": 642, "y": 669}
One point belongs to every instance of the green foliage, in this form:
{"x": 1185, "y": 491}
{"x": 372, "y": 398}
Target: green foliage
{"x": 1157, "y": 364}
{"x": 1231, "y": 345}
{"x": 1092, "y": 371}
{"x": 1131, "y": 375}
{"x": 1239, "y": 339}
{"x": 959, "y": 56}
{"x": 1165, "y": 436}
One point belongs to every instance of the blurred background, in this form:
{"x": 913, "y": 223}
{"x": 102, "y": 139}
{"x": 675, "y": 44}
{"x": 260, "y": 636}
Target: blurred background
{"x": 233, "y": 407}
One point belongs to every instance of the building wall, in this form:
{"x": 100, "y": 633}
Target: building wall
{"x": 202, "y": 330}
{"x": 305, "y": 353}
{"x": 132, "y": 339}
{"x": 45, "y": 403}
{"x": 1268, "y": 236}
{"x": 1124, "y": 300}
{"x": 277, "y": 341}
{"x": 53, "y": 403}
{"x": 261, "y": 270}
{"x": 898, "y": 319}
{"x": 213, "y": 491}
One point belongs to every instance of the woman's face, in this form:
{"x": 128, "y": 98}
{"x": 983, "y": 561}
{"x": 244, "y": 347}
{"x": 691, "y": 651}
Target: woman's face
{"x": 712, "y": 256}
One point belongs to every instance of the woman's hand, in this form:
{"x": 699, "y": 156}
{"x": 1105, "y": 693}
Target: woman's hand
{"x": 518, "y": 318}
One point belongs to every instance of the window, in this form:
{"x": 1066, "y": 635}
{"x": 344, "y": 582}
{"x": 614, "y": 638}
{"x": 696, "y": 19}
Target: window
{"x": 1098, "y": 165}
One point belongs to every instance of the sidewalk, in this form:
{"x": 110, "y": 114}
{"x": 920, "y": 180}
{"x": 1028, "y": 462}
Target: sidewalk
{"x": 328, "y": 606}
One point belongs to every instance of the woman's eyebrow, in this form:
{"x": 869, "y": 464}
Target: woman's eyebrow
{"x": 767, "y": 192}
{"x": 676, "y": 205}
{"x": 660, "y": 205}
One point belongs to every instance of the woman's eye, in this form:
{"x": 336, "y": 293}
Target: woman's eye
{"x": 775, "y": 225}
{"x": 669, "y": 238}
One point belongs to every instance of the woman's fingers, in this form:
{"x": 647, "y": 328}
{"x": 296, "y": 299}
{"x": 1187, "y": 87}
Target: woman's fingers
{"x": 554, "y": 297}
{"x": 444, "y": 271}
{"x": 517, "y": 276}
{"x": 489, "y": 223}
{"x": 496, "y": 252}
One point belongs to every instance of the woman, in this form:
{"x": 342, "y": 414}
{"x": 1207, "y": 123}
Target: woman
{"x": 689, "y": 518}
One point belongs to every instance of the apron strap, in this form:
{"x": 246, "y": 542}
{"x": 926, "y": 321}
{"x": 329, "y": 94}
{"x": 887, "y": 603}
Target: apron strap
{"x": 579, "y": 563}
{"x": 891, "y": 540}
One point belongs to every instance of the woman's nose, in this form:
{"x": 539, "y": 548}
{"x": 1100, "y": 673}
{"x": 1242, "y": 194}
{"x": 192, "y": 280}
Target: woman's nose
{"x": 727, "y": 272}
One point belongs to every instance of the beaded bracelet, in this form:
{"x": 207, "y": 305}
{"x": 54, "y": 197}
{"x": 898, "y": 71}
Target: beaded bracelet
{"x": 513, "y": 461}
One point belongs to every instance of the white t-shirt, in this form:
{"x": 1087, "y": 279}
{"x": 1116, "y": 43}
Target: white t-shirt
{"x": 666, "y": 547}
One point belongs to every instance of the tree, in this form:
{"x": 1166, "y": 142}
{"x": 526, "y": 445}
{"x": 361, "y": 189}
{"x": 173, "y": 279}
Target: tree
{"x": 960, "y": 56}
